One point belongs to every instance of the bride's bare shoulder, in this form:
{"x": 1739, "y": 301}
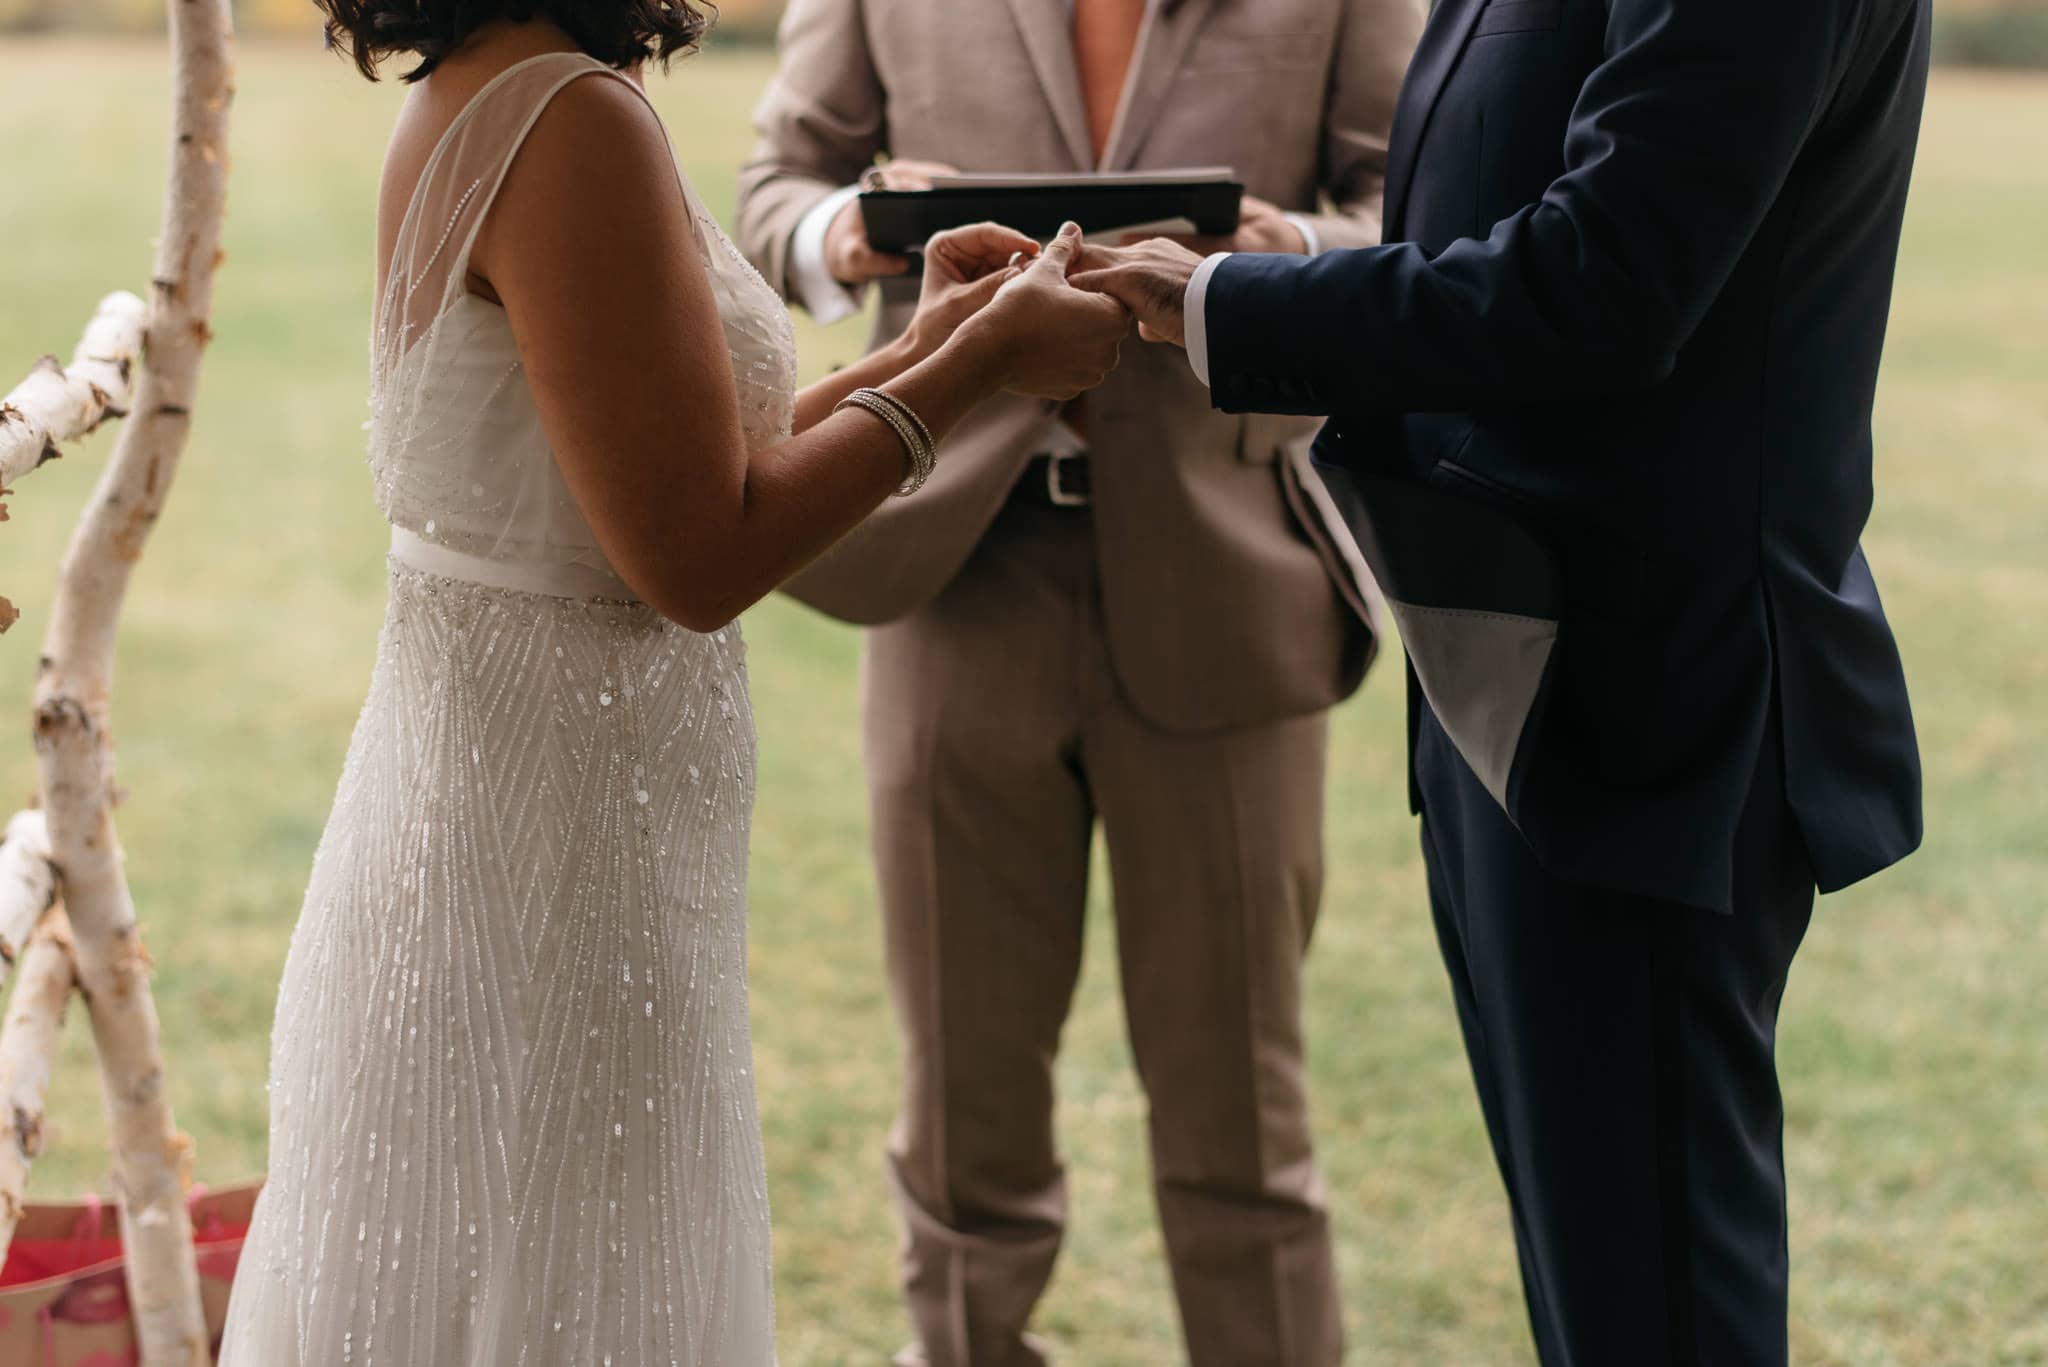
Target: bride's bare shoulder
{"x": 594, "y": 136}
{"x": 597, "y": 145}
{"x": 438, "y": 99}
{"x": 594, "y": 187}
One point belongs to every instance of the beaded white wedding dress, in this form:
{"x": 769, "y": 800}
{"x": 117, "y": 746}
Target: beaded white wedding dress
{"x": 512, "y": 1113}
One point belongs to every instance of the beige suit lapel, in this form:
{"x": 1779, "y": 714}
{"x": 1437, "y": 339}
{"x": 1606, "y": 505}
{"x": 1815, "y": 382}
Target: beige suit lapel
{"x": 1049, "y": 39}
{"x": 1170, "y": 28}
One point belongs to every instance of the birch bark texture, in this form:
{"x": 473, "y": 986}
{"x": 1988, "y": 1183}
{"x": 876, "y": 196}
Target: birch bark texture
{"x": 28, "y": 1049}
{"x": 73, "y": 740}
{"x": 28, "y": 887}
{"x": 58, "y": 403}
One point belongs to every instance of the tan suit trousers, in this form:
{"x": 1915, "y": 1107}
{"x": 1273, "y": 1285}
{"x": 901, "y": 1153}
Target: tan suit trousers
{"x": 997, "y": 735}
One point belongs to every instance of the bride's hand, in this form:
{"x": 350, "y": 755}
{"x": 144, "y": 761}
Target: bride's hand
{"x": 963, "y": 269}
{"x": 1042, "y": 335}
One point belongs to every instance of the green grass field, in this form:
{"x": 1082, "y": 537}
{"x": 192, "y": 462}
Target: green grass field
{"x": 1915, "y": 1028}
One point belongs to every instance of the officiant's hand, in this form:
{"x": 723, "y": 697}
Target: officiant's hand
{"x": 1261, "y": 227}
{"x": 963, "y": 269}
{"x": 1150, "y": 279}
{"x": 848, "y": 254}
{"x": 1041, "y": 336}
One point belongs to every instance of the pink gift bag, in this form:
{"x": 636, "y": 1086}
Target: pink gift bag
{"x": 63, "y": 1297}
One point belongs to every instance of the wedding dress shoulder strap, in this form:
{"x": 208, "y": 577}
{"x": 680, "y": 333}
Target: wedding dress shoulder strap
{"x": 460, "y": 181}
{"x": 456, "y": 443}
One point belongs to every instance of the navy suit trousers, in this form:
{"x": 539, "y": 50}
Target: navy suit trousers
{"x": 1624, "y": 1051}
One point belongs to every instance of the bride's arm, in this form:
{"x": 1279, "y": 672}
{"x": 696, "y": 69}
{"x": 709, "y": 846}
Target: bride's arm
{"x": 815, "y": 402}
{"x": 963, "y": 270}
{"x": 591, "y": 249}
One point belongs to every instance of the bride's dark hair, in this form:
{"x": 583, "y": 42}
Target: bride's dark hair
{"x": 617, "y": 32}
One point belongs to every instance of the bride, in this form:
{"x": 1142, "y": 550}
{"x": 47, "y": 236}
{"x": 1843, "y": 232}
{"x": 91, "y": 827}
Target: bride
{"x": 512, "y": 1119}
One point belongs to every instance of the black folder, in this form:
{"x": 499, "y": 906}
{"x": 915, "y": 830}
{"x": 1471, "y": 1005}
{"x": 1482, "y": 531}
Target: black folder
{"x": 903, "y": 220}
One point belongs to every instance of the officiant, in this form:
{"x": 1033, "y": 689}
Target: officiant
{"x": 1135, "y": 611}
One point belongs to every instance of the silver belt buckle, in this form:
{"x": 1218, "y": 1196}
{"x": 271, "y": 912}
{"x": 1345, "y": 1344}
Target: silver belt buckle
{"x": 1054, "y": 489}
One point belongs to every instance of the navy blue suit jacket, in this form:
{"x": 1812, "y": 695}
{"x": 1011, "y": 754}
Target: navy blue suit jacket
{"x": 1600, "y": 414}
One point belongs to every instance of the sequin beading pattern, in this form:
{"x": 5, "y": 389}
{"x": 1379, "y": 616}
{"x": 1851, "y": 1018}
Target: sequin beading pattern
{"x": 512, "y": 1109}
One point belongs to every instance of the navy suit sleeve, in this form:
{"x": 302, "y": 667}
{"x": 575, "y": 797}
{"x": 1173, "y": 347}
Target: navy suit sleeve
{"x": 1679, "y": 142}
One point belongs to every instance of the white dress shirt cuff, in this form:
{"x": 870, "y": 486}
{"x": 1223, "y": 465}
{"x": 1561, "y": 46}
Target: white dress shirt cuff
{"x": 1311, "y": 240}
{"x": 810, "y": 280}
{"x": 1195, "y": 316}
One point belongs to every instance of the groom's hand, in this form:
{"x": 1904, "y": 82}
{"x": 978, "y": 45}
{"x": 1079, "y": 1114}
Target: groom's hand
{"x": 1150, "y": 279}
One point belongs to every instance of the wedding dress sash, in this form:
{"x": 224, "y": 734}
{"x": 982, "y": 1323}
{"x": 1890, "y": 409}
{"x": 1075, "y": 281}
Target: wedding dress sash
{"x": 410, "y": 549}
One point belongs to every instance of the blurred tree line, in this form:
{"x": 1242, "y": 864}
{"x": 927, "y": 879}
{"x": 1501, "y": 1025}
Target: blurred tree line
{"x": 1970, "y": 32}
{"x": 753, "y": 17}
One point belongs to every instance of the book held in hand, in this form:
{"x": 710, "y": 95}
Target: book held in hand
{"x": 1203, "y": 200}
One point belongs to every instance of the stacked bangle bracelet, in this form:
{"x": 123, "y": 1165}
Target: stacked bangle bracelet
{"x": 919, "y": 450}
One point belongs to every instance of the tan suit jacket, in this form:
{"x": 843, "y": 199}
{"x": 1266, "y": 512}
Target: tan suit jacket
{"x": 1233, "y": 594}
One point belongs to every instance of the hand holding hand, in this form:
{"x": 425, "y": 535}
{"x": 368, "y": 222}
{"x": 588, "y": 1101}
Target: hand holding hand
{"x": 1150, "y": 279}
{"x": 1043, "y": 336}
{"x": 848, "y": 254}
{"x": 963, "y": 269}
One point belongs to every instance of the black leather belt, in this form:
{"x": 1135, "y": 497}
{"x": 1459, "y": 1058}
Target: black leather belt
{"x": 1056, "y": 482}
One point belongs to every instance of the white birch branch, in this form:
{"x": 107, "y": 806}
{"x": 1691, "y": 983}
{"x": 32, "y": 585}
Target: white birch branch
{"x": 28, "y": 884}
{"x": 58, "y": 403}
{"x": 73, "y": 749}
{"x": 28, "y": 1047}
{"x": 152, "y": 1160}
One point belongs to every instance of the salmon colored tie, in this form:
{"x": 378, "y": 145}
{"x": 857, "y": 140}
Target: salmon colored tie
{"x": 1105, "y": 37}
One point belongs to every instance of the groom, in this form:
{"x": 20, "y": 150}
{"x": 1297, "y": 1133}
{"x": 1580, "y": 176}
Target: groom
{"x": 1601, "y": 423}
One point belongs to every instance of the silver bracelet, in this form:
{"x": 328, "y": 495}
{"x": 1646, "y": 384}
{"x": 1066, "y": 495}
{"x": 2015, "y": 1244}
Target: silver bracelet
{"x": 914, "y": 449}
{"x": 923, "y": 432}
{"x": 921, "y": 453}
